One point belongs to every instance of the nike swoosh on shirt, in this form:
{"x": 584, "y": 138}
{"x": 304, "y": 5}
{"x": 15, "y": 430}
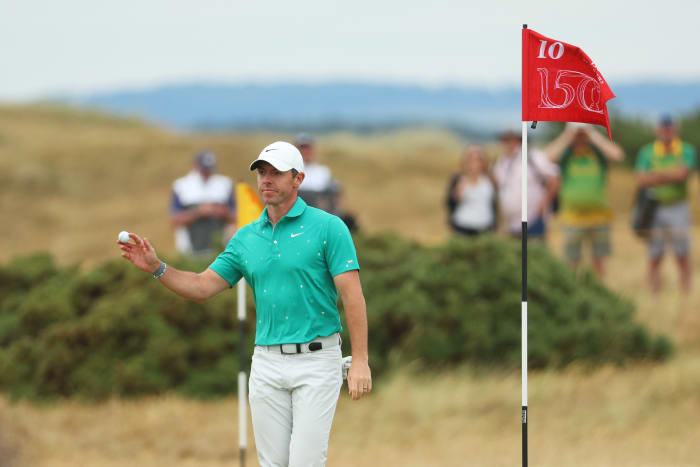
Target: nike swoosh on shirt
{"x": 296, "y": 234}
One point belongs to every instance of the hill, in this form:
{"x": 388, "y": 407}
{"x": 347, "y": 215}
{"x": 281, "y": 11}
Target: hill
{"x": 359, "y": 106}
{"x": 71, "y": 179}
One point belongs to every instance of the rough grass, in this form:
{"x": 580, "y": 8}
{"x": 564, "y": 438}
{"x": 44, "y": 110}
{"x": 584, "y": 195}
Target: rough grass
{"x": 11, "y": 439}
{"x": 70, "y": 181}
{"x": 641, "y": 416}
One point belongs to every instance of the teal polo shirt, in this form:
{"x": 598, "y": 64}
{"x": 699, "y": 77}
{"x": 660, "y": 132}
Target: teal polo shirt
{"x": 290, "y": 267}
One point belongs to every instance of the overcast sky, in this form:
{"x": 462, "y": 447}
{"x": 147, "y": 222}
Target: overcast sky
{"x": 87, "y": 45}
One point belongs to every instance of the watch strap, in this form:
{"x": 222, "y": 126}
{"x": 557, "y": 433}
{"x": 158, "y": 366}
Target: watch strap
{"x": 160, "y": 271}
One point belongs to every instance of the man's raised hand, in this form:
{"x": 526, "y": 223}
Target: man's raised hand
{"x": 140, "y": 253}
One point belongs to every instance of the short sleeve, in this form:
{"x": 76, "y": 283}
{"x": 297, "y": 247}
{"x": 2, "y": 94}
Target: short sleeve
{"x": 690, "y": 157}
{"x": 643, "y": 163}
{"x": 340, "y": 249}
{"x": 175, "y": 204}
{"x": 544, "y": 165}
{"x": 228, "y": 263}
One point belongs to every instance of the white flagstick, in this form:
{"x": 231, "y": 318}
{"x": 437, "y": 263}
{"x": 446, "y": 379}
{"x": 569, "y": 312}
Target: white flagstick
{"x": 523, "y": 318}
{"x": 242, "y": 386}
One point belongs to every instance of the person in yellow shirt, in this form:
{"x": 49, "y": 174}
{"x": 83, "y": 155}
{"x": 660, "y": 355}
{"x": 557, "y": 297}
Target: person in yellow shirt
{"x": 583, "y": 156}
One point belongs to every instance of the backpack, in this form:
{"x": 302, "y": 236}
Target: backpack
{"x": 643, "y": 212}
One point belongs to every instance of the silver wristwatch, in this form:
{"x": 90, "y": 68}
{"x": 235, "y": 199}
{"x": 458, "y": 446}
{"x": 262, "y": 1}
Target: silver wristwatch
{"x": 160, "y": 271}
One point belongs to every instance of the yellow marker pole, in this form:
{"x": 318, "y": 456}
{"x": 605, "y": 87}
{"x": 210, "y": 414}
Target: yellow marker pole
{"x": 248, "y": 209}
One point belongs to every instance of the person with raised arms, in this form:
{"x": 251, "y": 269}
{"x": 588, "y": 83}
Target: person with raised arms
{"x": 584, "y": 157}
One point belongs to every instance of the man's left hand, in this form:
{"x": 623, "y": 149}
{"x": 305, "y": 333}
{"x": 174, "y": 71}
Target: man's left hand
{"x": 359, "y": 380}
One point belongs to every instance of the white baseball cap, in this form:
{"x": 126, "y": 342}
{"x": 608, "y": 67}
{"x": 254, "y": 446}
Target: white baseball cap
{"x": 282, "y": 155}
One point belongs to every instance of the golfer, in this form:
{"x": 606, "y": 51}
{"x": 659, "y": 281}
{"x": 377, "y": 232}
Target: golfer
{"x": 297, "y": 259}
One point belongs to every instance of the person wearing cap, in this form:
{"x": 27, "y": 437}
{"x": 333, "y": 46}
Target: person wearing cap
{"x": 297, "y": 259}
{"x": 663, "y": 167}
{"x": 582, "y": 155}
{"x": 202, "y": 206}
{"x": 319, "y": 189}
{"x": 542, "y": 186}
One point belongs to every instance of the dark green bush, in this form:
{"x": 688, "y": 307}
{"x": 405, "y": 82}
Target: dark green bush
{"x": 114, "y": 331}
{"x": 110, "y": 331}
{"x": 462, "y": 302}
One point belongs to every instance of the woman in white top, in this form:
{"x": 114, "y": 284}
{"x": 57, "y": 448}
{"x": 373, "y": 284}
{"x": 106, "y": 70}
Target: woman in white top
{"x": 472, "y": 195}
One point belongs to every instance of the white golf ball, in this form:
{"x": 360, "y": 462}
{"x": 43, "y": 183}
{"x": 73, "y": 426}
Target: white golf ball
{"x": 123, "y": 236}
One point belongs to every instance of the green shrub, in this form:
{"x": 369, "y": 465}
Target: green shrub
{"x": 114, "y": 331}
{"x": 462, "y": 302}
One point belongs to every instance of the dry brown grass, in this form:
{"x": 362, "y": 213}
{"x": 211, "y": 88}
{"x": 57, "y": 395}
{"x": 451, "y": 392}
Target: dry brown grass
{"x": 641, "y": 416}
{"x": 69, "y": 182}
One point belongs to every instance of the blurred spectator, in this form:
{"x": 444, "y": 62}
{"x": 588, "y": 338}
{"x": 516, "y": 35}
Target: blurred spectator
{"x": 202, "y": 207}
{"x": 319, "y": 189}
{"x": 471, "y": 197}
{"x": 663, "y": 168}
{"x": 582, "y": 154}
{"x": 542, "y": 186}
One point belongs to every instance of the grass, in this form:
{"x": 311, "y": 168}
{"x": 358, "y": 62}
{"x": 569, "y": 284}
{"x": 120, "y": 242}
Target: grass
{"x": 641, "y": 416}
{"x": 69, "y": 181}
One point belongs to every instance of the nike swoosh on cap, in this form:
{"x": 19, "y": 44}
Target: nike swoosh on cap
{"x": 271, "y": 149}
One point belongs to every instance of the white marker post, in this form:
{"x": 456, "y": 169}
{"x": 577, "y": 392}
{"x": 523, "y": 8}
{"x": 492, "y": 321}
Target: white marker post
{"x": 242, "y": 380}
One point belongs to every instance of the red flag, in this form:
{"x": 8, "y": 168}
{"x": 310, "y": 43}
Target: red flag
{"x": 561, "y": 83}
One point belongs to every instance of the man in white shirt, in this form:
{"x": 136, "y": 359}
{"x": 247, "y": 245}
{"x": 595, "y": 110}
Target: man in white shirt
{"x": 202, "y": 206}
{"x": 318, "y": 177}
{"x": 542, "y": 186}
{"x": 318, "y": 189}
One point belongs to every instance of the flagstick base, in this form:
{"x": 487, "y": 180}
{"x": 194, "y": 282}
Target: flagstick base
{"x": 242, "y": 416}
{"x": 524, "y": 416}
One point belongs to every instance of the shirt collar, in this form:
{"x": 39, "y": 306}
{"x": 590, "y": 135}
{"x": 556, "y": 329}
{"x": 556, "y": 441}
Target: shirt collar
{"x": 296, "y": 210}
{"x": 196, "y": 175}
{"x": 660, "y": 148}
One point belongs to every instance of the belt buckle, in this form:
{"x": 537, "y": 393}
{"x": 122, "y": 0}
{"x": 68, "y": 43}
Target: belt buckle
{"x": 297, "y": 349}
{"x": 314, "y": 346}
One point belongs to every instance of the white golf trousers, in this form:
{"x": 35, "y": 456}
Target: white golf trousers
{"x": 292, "y": 402}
